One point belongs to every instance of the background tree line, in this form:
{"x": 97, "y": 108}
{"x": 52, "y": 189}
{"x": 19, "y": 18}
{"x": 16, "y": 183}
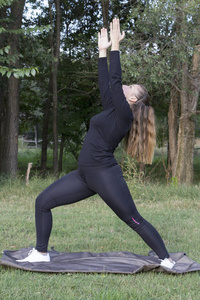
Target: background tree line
{"x": 48, "y": 66}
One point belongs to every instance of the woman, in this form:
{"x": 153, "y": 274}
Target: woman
{"x": 126, "y": 112}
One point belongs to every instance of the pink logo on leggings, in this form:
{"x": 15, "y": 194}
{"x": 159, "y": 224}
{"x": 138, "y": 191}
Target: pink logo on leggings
{"x": 135, "y": 221}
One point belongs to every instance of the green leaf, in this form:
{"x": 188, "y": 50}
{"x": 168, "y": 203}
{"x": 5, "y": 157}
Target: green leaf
{"x": 27, "y": 72}
{"x": 9, "y": 74}
{"x": 33, "y": 72}
{"x": 2, "y": 29}
{"x": 21, "y": 73}
{"x": 16, "y": 74}
{"x": 7, "y": 48}
{"x": 5, "y": 2}
{"x": 3, "y": 71}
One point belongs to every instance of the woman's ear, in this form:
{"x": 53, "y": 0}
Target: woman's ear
{"x": 132, "y": 99}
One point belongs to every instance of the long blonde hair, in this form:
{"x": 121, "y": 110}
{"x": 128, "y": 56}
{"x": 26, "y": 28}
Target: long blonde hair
{"x": 140, "y": 141}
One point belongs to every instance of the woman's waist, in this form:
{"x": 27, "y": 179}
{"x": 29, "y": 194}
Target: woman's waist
{"x": 96, "y": 160}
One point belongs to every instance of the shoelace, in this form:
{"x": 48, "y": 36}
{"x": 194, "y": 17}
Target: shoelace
{"x": 29, "y": 253}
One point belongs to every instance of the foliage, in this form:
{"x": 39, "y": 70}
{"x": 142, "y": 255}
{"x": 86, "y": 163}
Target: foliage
{"x": 77, "y": 75}
{"x": 7, "y": 59}
{"x": 5, "y": 2}
{"x": 152, "y": 41}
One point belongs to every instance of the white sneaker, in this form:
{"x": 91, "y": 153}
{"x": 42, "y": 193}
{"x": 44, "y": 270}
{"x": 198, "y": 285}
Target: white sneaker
{"x": 35, "y": 256}
{"x": 167, "y": 263}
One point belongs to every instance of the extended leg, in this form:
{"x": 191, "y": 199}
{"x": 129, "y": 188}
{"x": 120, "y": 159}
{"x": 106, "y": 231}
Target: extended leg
{"x": 109, "y": 183}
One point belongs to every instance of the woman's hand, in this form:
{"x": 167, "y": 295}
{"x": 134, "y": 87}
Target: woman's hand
{"x": 103, "y": 42}
{"x": 115, "y": 34}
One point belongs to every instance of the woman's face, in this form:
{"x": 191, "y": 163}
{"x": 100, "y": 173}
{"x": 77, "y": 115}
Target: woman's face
{"x": 131, "y": 92}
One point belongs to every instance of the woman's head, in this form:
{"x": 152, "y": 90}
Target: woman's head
{"x": 141, "y": 138}
{"x": 136, "y": 92}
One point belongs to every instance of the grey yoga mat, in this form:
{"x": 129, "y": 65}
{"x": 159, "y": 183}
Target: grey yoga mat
{"x": 106, "y": 262}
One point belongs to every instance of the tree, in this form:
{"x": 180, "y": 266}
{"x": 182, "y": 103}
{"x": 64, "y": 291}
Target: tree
{"x": 77, "y": 55}
{"x": 163, "y": 43}
{"x": 186, "y": 87}
{"x": 10, "y": 70}
{"x": 186, "y": 135}
{"x": 64, "y": 96}
{"x": 10, "y": 126}
{"x": 105, "y": 10}
{"x": 55, "y": 51}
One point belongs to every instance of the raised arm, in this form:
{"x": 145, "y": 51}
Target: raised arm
{"x": 104, "y": 86}
{"x": 119, "y": 100}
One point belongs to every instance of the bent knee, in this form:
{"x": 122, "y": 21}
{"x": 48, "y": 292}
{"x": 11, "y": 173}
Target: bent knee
{"x": 44, "y": 202}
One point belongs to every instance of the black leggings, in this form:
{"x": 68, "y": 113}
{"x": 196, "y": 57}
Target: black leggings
{"x": 109, "y": 183}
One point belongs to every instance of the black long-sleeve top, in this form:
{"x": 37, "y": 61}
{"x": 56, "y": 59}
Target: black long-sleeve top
{"x": 109, "y": 127}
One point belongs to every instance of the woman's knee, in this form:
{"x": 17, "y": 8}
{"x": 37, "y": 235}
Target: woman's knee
{"x": 44, "y": 202}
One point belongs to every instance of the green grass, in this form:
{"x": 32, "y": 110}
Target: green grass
{"x": 91, "y": 226}
{"x": 27, "y": 155}
{"x": 153, "y": 173}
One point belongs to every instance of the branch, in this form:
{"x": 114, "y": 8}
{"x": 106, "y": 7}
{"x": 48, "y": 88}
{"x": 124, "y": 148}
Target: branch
{"x": 176, "y": 87}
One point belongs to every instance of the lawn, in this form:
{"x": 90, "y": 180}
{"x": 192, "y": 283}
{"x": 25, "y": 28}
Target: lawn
{"x": 173, "y": 210}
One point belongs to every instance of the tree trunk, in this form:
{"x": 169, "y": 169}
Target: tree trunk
{"x": 3, "y": 89}
{"x": 173, "y": 128}
{"x": 186, "y": 135}
{"x": 55, "y": 50}
{"x": 45, "y": 130}
{"x": 62, "y": 144}
{"x": 184, "y": 169}
{"x": 105, "y": 7}
{"x": 173, "y": 112}
{"x": 9, "y": 146}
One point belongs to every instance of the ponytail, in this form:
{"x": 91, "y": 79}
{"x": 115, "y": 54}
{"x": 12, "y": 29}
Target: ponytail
{"x": 140, "y": 141}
